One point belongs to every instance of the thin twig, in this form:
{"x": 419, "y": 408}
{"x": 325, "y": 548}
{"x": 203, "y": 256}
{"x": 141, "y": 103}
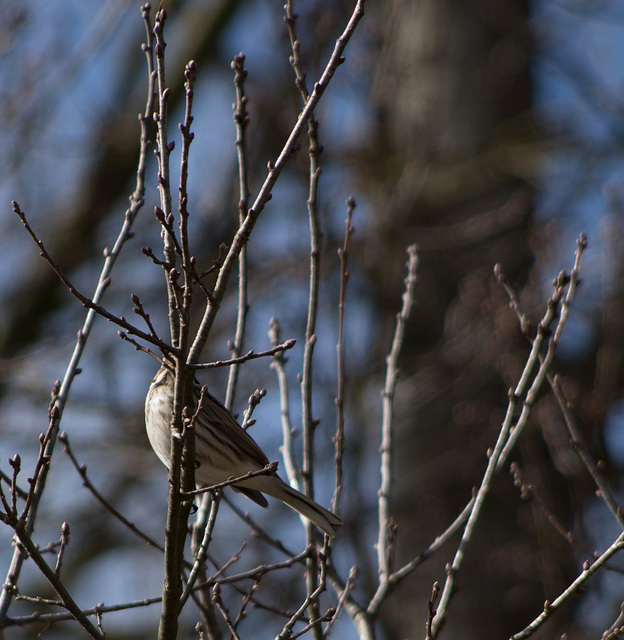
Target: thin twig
{"x": 497, "y": 456}
{"x": 407, "y": 569}
{"x": 87, "y": 302}
{"x": 162, "y": 152}
{"x": 253, "y": 574}
{"x": 363, "y": 622}
{"x": 188, "y": 262}
{"x": 257, "y": 530}
{"x": 279, "y": 366}
{"x": 216, "y": 599}
{"x": 267, "y": 470}
{"x": 342, "y": 599}
{"x": 579, "y": 446}
{"x": 241, "y": 119}
{"x": 385, "y": 523}
{"x": 139, "y": 347}
{"x": 202, "y": 550}
{"x": 42, "y": 465}
{"x": 588, "y": 571}
{"x": 309, "y": 600}
{"x": 247, "y": 598}
{"x": 275, "y": 170}
{"x": 68, "y": 602}
{"x": 328, "y": 616}
{"x": 250, "y": 355}
{"x": 431, "y": 611}
{"x": 61, "y": 617}
{"x": 566, "y": 410}
{"x": 140, "y": 311}
{"x": 254, "y": 400}
{"x": 616, "y": 630}
{"x": 18, "y": 490}
{"x": 36, "y": 599}
{"x": 82, "y": 470}
{"x": 340, "y": 362}
{"x": 316, "y": 236}
{"x": 559, "y": 286}
{"x": 62, "y": 546}
{"x": 529, "y": 493}
{"x": 16, "y": 464}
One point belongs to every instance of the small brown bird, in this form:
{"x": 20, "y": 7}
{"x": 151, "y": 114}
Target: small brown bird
{"x": 223, "y": 450}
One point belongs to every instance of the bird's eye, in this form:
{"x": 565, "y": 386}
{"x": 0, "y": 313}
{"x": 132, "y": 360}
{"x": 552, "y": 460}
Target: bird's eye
{"x": 197, "y": 464}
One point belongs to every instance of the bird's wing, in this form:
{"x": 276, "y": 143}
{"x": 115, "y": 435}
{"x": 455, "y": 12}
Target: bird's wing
{"x": 223, "y": 422}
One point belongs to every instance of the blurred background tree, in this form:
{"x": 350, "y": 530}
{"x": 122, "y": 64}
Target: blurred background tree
{"x": 484, "y": 132}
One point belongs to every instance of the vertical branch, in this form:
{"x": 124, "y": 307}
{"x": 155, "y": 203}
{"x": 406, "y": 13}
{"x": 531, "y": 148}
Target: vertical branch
{"x": 202, "y": 529}
{"x": 310, "y": 335}
{"x": 188, "y": 263}
{"x": 314, "y": 152}
{"x": 163, "y": 151}
{"x": 178, "y": 508}
{"x": 200, "y": 540}
{"x": 275, "y": 170}
{"x": 279, "y": 365}
{"x": 386, "y": 527}
{"x": 182, "y": 454}
{"x": 202, "y": 548}
{"x": 241, "y": 119}
{"x": 187, "y": 259}
{"x": 340, "y": 364}
{"x": 61, "y": 394}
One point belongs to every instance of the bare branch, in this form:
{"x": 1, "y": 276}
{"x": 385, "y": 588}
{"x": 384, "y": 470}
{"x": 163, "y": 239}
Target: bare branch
{"x": 268, "y": 470}
{"x": 162, "y": 152}
{"x": 579, "y": 446}
{"x": 275, "y": 170}
{"x": 344, "y": 595}
{"x": 257, "y": 530}
{"x": 82, "y": 470}
{"x": 306, "y": 381}
{"x": 216, "y": 598}
{"x": 385, "y": 522}
{"x": 254, "y": 400}
{"x": 431, "y": 611}
{"x": 588, "y": 571}
{"x": 559, "y": 286}
{"x": 254, "y": 574}
{"x": 87, "y": 302}
{"x": 566, "y": 410}
{"x": 311, "y": 598}
{"x": 60, "y": 617}
{"x": 50, "y": 575}
{"x": 507, "y": 436}
{"x": 279, "y": 366}
{"x": 340, "y": 363}
{"x": 8, "y": 480}
{"x": 202, "y": 551}
{"x": 250, "y": 355}
{"x": 62, "y": 547}
{"x": 241, "y": 119}
{"x": 182, "y": 434}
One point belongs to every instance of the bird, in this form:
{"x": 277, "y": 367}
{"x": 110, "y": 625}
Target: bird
{"x": 224, "y": 450}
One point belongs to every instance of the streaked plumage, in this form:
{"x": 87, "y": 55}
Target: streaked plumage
{"x": 224, "y": 450}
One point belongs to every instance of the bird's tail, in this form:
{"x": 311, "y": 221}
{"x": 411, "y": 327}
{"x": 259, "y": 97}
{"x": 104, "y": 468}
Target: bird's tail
{"x": 308, "y": 508}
